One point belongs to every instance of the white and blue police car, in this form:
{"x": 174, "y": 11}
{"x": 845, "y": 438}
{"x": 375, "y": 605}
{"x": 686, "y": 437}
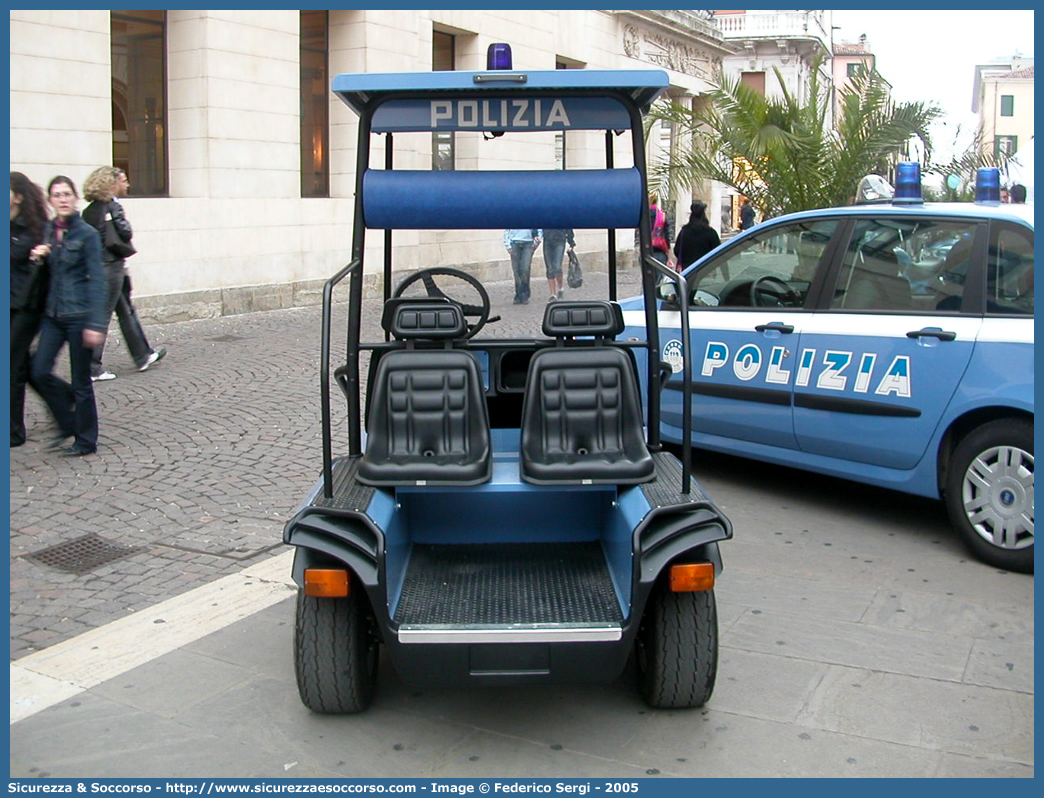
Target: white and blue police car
{"x": 887, "y": 343}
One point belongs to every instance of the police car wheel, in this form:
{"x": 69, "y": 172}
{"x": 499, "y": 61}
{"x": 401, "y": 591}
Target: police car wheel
{"x": 989, "y": 493}
{"x": 335, "y": 654}
{"x": 677, "y": 648}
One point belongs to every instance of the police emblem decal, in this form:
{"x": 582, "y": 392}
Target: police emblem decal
{"x": 672, "y": 353}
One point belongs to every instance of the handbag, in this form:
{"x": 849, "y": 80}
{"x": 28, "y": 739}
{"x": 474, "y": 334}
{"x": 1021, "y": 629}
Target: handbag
{"x": 575, "y": 277}
{"x": 116, "y": 245}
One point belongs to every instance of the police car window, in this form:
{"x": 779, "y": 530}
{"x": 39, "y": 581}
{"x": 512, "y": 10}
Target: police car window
{"x": 773, "y": 268}
{"x": 912, "y": 265}
{"x": 1009, "y": 271}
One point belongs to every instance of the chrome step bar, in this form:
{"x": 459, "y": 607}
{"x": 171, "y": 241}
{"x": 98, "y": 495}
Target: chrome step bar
{"x": 509, "y": 633}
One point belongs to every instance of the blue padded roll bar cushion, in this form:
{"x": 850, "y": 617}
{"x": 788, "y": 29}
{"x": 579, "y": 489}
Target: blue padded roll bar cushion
{"x": 426, "y": 200}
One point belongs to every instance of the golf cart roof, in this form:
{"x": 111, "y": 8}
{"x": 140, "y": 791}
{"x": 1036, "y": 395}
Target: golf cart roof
{"x": 643, "y": 86}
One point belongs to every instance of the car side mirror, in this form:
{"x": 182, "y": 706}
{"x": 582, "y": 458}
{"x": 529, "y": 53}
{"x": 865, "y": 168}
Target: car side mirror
{"x": 668, "y": 292}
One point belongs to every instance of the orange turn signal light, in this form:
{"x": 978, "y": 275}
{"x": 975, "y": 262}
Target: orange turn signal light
{"x": 325, "y": 582}
{"x": 691, "y": 577}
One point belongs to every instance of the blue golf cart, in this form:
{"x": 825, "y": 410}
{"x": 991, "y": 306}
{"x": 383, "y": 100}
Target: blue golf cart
{"x": 499, "y": 510}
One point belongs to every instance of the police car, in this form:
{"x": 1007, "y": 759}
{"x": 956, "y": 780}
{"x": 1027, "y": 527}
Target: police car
{"x": 887, "y": 343}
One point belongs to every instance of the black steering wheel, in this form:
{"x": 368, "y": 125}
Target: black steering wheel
{"x": 782, "y": 294}
{"x": 478, "y": 311}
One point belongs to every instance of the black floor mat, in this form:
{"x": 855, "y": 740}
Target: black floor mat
{"x": 516, "y": 583}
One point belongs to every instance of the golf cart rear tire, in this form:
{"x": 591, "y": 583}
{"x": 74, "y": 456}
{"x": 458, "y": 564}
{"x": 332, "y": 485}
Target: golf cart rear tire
{"x": 335, "y": 655}
{"x": 977, "y": 474}
{"x": 677, "y": 649}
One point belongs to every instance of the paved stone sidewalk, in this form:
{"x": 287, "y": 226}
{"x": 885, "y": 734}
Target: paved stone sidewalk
{"x": 858, "y": 638}
{"x": 201, "y": 461}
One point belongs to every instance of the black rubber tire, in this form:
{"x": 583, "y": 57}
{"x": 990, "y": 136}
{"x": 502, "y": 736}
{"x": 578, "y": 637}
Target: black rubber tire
{"x": 677, "y": 649}
{"x": 1011, "y": 433}
{"x": 335, "y": 655}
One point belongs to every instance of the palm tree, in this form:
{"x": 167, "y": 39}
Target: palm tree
{"x": 964, "y": 166}
{"x": 782, "y": 153}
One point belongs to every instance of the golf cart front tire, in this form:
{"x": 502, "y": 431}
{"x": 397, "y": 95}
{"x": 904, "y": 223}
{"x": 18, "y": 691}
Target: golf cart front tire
{"x": 335, "y": 654}
{"x": 677, "y": 649}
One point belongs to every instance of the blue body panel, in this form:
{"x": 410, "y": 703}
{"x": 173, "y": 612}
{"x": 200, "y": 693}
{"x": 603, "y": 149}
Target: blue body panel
{"x": 864, "y": 400}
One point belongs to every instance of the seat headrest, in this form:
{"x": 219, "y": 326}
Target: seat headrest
{"x": 569, "y": 319}
{"x": 428, "y": 319}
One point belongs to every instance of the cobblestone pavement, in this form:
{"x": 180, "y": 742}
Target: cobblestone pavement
{"x": 201, "y": 461}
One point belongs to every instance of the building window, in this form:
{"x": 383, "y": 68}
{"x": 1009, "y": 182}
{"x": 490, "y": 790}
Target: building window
{"x": 1007, "y": 105}
{"x": 855, "y": 68}
{"x": 756, "y": 80}
{"x": 138, "y": 58}
{"x": 443, "y": 58}
{"x": 315, "y": 105}
{"x": 1005, "y": 145}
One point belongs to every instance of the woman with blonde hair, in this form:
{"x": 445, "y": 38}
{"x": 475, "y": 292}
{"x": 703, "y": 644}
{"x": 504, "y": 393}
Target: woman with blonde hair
{"x": 102, "y": 189}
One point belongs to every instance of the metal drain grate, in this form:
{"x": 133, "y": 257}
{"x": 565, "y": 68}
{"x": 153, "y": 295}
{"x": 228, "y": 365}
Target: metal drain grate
{"x": 82, "y": 554}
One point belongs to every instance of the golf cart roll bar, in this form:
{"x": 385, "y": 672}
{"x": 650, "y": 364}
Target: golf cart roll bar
{"x": 385, "y": 106}
{"x": 683, "y": 307}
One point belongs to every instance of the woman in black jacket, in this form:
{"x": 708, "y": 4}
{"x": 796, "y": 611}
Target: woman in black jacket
{"x": 103, "y": 188}
{"x": 74, "y": 314}
{"x": 28, "y": 288}
{"x": 696, "y": 238}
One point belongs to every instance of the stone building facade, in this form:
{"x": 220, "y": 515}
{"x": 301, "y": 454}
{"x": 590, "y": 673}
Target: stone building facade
{"x": 228, "y": 214}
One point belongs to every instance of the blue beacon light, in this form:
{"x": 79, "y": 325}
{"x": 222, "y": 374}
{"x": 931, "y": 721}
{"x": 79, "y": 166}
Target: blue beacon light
{"x": 908, "y": 182}
{"x": 498, "y": 56}
{"x": 987, "y": 185}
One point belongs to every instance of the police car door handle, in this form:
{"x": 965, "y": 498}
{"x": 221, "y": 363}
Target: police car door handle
{"x": 942, "y": 335}
{"x": 775, "y": 326}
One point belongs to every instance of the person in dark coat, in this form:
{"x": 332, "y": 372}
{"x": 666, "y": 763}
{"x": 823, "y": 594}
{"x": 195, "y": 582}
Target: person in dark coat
{"x": 74, "y": 314}
{"x": 28, "y": 288}
{"x": 746, "y": 215}
{"x": 696, "y": 238}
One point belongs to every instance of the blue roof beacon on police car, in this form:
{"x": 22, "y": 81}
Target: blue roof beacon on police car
{"x": 888, "y": 342}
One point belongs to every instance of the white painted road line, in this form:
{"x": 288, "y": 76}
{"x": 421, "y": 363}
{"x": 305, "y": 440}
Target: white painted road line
{"x": 63, "y": 670}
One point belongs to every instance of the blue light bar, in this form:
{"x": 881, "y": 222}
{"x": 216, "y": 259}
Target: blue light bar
{"x": 498, "y": 56}
{"x": 908, "y": 182}
{"x": 987, "y": 185}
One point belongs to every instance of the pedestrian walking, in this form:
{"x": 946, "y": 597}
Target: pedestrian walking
{"x": 74, "y": 314}
{"x": 103, "y": 188}
{"x": 746, "y": 215}
{"x": 661, "y": 233}
{"x": 521, "y": 244}
{"x": 28, "y": 289}
{"x": 555, "y": 242}
{"x": 696, "y": 238}
{"x": 1018, "y": 194}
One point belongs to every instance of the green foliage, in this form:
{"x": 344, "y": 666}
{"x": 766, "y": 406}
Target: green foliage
{"x": 795, "y": 159}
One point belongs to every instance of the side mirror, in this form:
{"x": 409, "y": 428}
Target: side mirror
{"x": 668, "y": 292}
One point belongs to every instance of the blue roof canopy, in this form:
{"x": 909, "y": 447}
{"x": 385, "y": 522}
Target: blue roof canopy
{"x": 642, "y": 87}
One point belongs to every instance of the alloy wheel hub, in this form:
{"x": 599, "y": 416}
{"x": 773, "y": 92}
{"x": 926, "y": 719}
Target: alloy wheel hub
{"x": 998, "y": 496}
